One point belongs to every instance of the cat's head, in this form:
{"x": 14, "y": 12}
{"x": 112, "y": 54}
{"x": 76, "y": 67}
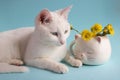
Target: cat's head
{"x": 53, "y": 25}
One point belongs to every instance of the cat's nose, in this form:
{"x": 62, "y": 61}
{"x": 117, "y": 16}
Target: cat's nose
{"x": 62, "y": 42}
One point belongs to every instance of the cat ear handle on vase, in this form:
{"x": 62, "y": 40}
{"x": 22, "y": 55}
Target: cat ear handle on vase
{"x": 92, "y": 48}
{"x": 72, "y": 44}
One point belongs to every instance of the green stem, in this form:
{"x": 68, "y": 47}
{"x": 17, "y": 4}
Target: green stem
{"x": 76, "y": 30}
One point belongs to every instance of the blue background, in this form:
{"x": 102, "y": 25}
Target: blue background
{"x": 21, "y": 13}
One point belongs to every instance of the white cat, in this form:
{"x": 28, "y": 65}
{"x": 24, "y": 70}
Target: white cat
{"x": 43, "y": 47}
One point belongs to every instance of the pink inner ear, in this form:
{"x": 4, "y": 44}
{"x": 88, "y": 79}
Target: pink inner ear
{"x": 76, "y": 36}
{"x": 98, "y": 39}
{"x": 45, "y": 16}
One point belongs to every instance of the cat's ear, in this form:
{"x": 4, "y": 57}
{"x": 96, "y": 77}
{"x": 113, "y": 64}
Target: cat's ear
{"x": 76, "y": 36}
{"x": 44, "y": 16}
{"x": 98, "y": 38}
{"x": 64, "y": 12}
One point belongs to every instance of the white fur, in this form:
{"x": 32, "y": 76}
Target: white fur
{"x": 37, "y": 46}
{"x": 94, "y": 52}
{"x": 12, "y": 46}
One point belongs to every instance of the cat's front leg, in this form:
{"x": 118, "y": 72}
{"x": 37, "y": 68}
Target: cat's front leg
{"x": 17, "y": 62}
{"x": 48, "y": 64}
{"x": 72, "y": 61}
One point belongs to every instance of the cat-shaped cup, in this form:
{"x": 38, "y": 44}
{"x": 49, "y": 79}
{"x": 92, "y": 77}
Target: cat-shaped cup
{"x": 96, "y": 51}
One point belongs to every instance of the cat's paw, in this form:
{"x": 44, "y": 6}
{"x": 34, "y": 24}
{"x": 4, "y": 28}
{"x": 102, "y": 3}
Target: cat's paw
{"x": 16, "y": 62}
{"x": 23, "y": 69}
{"x": 76, "y": 63}
{"x": 61, "y": 68}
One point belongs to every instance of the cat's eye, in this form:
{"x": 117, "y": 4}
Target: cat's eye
{"x": 54, "y": 33}
{"x": 66, "y": 31}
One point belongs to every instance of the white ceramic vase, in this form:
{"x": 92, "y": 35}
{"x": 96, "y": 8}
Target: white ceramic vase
{"x": 93, "y": 52}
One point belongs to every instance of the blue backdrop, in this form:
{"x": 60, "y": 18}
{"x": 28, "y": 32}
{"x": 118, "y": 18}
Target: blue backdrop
{"x": 21, "y": 13}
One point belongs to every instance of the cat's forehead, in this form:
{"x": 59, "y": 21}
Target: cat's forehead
{"x": 57, "y": 18}
{"x": 58, "y": 23}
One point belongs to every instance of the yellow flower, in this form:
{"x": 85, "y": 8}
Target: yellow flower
{"x": 86, "y": 35}
{"x": 110, "y": 29}
{"x": 93, "y": 34}
{"x": 96, "y": 28}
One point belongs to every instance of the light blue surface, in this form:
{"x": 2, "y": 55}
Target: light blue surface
{"x": 21, "y": 13}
